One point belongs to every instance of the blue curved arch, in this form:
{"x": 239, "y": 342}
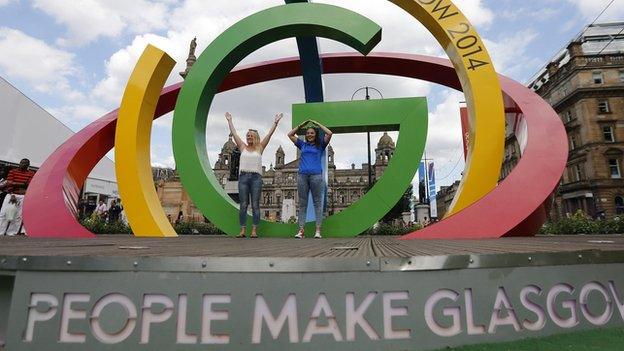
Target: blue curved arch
{"x": 312, "y": 68}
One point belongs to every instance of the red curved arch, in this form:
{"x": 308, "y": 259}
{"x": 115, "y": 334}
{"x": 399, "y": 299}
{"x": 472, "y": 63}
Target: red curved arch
{"x": 518, "y": 206}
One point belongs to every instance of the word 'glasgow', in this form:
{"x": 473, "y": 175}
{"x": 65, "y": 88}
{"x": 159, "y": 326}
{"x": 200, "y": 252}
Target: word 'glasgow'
{"x": 559, "y": 304}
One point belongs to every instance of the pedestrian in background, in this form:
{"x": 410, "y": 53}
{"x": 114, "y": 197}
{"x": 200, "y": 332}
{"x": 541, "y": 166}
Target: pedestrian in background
{"x": 3, "y": 184}
{"x": 100, "y": 210}
{"x": 17, "y": 181}
{"x": 113, "y": 212}
{"x": 8, "y": 221}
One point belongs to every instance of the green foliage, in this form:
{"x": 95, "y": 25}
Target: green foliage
{"x": 97, "y": 225}
{"x": 580, "y": 223}
{"x": 199, "y": 228}
{"x": 388, "y": 229}
{"x": 403, "y": 205}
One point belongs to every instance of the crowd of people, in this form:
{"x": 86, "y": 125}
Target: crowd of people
{"x": 111, "y": 213}
{"x": 13, "y": 185}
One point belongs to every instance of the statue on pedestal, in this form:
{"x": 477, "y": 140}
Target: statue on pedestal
{"x": 190, "y": 60}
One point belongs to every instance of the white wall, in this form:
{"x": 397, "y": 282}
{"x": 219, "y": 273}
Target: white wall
{"x": 29, "y": 131}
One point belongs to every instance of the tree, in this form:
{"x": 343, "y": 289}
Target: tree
{"x": 403, "y": 205}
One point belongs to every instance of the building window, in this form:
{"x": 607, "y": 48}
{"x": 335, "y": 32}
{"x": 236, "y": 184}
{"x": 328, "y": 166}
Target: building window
{"x": 572, "y": 142}
{"x": 568, "y": 116}
{"x": 619, "y": 205}
{"x": 579, "y": 173}
{"x": 603, "y": 106}
{"x": 607, "y": 132}
{"x": 598, "y": 77}
{"x": 622, "y": 76}
{"x": 614, "y": 168}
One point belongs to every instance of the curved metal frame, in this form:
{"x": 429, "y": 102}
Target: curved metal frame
{"x": 516, "y": 207}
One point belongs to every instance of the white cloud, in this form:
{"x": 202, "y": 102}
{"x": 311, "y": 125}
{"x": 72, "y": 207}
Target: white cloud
{"x": 120, "y": 65}
{"x": 45, "y": 68}
{"x": 208, "y": 20}
{"x": 87, "y": 20}
{"x": 589, "y": 9}
{"x": 77, "y": 116}
{"x": 254, "y": 106}
{"x": 510, "y": 55}
{"x": 476, "y": 12}
{"x": 6, "y": 2}
{"x": 522, "y": 13}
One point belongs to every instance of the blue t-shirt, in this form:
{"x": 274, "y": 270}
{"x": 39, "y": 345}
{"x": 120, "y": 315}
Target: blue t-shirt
{"x": 310, "y": 162}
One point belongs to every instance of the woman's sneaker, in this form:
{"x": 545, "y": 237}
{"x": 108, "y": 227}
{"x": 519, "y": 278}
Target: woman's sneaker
{"x": 299, "y": 235}
{"x": 318, "y": 235}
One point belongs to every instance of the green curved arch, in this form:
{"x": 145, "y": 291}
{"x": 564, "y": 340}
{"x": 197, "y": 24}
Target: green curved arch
{"x": 409, "y": 117}
{"x": 227, "y": 50}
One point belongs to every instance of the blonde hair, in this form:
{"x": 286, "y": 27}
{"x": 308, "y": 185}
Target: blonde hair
{"x": 256, "y": 140}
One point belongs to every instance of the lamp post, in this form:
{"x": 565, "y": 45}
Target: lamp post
{"x": 367, "y": 97}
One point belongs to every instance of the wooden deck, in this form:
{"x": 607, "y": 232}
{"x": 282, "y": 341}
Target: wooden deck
{"x": 215, "y": 246}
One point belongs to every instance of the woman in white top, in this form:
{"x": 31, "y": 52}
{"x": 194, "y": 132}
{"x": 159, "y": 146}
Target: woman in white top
{"x": 250, "y": 173}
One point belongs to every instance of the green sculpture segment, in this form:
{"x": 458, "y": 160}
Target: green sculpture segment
{"x": 409, "y": 117}
{"x": 252, "y": 33}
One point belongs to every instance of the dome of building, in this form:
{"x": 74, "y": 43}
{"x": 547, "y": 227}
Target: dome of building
{"x": 229, "y": 145}
{"x": 385, "y": 141}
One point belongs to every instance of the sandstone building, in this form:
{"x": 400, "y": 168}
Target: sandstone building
{"x": 278, "y": 201}
{"x": 585, "y": 85}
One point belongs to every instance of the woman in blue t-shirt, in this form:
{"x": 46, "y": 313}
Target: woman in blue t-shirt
{"x": 310, "y": 177}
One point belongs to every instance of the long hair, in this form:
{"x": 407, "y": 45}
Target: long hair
{"x": 256, "y": 140}
{"x": 317, "y": 136}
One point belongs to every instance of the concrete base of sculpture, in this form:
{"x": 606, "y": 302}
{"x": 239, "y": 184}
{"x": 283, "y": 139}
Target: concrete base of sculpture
{"x": 123, "y": 293}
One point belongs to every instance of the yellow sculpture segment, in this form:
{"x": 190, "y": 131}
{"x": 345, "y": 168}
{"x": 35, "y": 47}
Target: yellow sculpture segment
{"x": 482, "y": 90}
{"x": 132, "y": 145}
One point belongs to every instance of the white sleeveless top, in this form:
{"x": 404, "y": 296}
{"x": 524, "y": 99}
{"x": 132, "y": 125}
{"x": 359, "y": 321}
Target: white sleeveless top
{"x": 250, "y": 161}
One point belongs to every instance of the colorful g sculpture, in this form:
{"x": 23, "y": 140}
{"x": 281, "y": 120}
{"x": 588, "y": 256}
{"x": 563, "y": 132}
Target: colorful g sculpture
{"x": 481, "y": 208}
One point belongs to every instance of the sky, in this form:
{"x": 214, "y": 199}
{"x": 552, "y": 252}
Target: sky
{"x": 74, "y": 57}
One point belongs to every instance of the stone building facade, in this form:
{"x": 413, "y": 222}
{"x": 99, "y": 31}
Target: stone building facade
{"x": 279, "y": 190}
{"x": 444, "y": 197}
{"x": 585, "y": 85}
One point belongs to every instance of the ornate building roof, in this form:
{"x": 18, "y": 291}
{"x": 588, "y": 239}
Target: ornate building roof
{"x": 229, "y": 145}
{"x": 385, "y": 141}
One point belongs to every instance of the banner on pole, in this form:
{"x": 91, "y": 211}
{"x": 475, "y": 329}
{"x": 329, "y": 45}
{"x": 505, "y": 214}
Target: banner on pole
{"x": 432, "y": 192}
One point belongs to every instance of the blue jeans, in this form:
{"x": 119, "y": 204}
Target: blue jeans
{"x": 249, "y": 184}
{"x": 305, "y": 184}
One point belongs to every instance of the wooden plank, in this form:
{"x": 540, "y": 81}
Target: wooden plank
{"x": 219, "y": 246}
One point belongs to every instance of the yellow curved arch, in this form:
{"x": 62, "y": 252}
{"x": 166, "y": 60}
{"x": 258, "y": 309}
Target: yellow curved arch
{"x": 132, "y": 145}
{"x": 483, "y": 94}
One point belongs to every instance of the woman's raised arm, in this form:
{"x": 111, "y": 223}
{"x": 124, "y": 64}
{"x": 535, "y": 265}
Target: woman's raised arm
{"x": 239, "y": 142}
{"x": 267, "y": 138}
{"x": 292, "y": 135}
